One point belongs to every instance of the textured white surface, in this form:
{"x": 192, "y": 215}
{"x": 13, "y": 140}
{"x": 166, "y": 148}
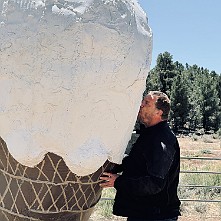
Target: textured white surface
{"x": 72, "y": 74}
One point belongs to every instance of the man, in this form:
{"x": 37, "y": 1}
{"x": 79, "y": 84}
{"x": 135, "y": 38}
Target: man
{"x": 147, "y": 188}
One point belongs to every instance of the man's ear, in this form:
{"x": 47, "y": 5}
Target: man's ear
{"x": 160, "y": 113}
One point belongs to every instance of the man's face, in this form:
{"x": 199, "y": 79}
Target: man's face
{"x": 148, "y": 111}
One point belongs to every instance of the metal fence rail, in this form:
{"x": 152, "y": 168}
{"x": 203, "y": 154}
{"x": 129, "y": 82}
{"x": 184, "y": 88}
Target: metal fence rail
{"x": 207, "y": 172}
{"x": 201, "y": 186}
{"x": 199, "y": 158}
{"x": 200, "y": 172}
{"x": 202, "y": 201}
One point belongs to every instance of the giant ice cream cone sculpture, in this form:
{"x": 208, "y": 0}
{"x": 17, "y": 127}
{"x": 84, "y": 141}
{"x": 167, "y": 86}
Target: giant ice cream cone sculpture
{"x": 49, "y": 191}
{"x": 72, "y": 74}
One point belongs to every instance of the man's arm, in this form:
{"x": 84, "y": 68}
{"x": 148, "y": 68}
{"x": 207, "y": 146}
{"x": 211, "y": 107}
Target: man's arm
{"x": 134, "y": 186}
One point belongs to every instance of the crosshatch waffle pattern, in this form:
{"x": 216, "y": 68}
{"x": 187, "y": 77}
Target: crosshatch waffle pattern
{"x": 49, "y": 191}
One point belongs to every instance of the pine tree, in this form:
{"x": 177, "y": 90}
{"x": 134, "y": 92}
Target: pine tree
{"x": 195, "y": 114}
{"x": 195, "y": 93}
{"x": 152, "y": 81}
{"x": 211, "y": 102}
{"x": 166, "y": 71}
{"x": 179, "y": 102}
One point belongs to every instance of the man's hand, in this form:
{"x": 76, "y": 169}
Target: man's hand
{"x": 109, "y": 179}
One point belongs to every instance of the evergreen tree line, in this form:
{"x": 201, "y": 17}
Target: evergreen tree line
{"x": 195, "y": 94}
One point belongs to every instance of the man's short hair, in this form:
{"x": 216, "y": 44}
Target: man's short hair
{"x": 162, "y": 103}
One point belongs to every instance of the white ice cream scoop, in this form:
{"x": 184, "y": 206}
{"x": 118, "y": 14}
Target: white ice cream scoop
{"x": 72, "y": 74}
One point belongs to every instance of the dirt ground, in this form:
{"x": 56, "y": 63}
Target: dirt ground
{"x": 203, "y": 145}
{"x": 181, "y": 218}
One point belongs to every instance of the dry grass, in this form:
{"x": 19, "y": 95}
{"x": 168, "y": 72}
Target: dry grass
{"x": 202, "y": 146}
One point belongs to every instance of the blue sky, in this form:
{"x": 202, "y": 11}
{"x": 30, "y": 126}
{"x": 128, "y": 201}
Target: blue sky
{"x": 190, "y": 30}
